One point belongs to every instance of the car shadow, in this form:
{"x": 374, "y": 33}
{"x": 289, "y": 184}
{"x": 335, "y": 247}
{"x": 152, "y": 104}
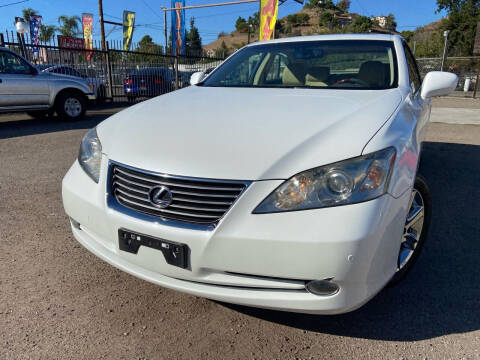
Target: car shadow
{"x": 20, "y": 124}
{"x": 441, "y": 295}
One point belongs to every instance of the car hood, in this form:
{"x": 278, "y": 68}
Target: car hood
{"x": 64, "y": 78}
{"x": 245, "y": 133}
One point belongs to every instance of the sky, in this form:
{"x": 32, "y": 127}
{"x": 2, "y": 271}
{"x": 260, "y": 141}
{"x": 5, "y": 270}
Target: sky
{"x": 210, "y": 21}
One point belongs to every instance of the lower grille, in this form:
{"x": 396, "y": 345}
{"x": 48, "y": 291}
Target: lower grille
{"x": 193, "y": 200}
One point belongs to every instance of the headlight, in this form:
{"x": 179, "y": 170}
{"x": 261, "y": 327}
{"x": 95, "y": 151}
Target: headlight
{"x": 346, "y": 182}
{"x": 90, "y": 154}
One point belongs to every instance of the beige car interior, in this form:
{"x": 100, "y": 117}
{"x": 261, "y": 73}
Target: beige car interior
{"x": 374, "y": 73}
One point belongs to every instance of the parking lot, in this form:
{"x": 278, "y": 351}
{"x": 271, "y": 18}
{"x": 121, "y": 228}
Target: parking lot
{"x": 57, "y": 300}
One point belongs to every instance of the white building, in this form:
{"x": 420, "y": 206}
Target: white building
{"x": 382, "y": 20}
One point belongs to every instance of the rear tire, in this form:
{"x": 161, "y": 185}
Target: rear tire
{"x": 71, "y": 105}
{"x": 416, "y": 229}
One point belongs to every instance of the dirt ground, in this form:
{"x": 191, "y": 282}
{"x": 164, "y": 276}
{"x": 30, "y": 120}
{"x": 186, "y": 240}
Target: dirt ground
{"x": 58, "y": 301}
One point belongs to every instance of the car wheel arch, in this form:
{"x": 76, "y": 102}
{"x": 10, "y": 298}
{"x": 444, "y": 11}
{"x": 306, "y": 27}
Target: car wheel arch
{"x": 400, "y": 131}
{"x": 74, "y": 90}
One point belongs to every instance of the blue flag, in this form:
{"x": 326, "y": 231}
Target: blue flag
{"x": 35, "y": 22}
{"x": 178, "y": 28}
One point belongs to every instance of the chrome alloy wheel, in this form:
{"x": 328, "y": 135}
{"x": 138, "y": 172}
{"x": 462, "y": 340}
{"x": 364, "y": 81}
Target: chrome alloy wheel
{"x": 413, "y": 229}
{"x": 72, "y": 107}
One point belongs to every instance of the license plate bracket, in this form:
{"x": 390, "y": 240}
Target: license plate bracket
{"x": 175, "y": 254}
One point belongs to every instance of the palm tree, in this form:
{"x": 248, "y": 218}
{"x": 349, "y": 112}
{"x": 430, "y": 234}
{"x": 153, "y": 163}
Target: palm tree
{"x": 69, "y": 25}
{"x": 47, "y": 32}
{"x": 28, "y": 13}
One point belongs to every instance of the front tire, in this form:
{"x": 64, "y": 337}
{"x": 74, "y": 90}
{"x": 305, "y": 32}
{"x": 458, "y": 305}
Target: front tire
{"x": 416, "y": 229}
{"x": 71, "y": 106}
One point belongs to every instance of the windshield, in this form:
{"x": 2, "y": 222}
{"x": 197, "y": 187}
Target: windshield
{"x": 346, "y": 64}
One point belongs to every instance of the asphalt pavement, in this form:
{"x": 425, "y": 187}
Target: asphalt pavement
{"x": 58, "y": 301}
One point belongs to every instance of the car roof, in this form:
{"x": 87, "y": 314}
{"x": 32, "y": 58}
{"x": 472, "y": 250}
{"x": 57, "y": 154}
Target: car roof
{"x": 330, "y": 37}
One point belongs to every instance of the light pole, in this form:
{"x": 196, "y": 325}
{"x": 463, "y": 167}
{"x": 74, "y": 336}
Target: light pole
{"x": 22, "y": 28}
{"x": 445, "y": 34}
{"x": 249, "y": 30}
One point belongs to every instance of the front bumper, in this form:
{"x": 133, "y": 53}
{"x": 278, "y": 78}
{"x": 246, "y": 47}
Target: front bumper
{"x": 91, "y": 97}
{"x": 255, "y": 260}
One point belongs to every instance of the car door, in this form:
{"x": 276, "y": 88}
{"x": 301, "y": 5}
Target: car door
{"x": 20, "y": 84}
{"x": 420, "y": 107}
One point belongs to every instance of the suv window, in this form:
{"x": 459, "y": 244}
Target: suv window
{"x": 413, "y": 74}
{"x": 12, "y": 64}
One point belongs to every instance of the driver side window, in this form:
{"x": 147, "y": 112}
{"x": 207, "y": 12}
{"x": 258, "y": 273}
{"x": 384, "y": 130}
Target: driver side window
{"x": 12, "y": 64}
{"x": 413, "y": 74}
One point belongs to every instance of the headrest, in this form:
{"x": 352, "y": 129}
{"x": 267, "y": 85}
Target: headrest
{"x": 318, "y": 73}
{"x": 373, "y": 73}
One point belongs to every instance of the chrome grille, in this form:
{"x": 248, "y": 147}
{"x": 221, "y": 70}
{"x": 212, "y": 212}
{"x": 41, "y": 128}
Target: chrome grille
{"x": 194, "y": 200}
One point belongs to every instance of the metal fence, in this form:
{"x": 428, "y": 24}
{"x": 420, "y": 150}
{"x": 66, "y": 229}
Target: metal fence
{"x": 467, "y": 69}
{"x": 113, "y": 73}
{"x": 121, "y": 75}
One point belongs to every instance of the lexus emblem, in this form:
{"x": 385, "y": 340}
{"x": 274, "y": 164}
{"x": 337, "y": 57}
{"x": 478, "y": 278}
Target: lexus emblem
{"x": 160, "y": 196}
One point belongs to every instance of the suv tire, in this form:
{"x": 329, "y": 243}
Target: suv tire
{"x": 70, "y": 105}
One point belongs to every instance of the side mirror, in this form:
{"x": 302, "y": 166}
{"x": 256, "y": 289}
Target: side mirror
{"x": 438, "y": 83}
{"x": 196, "y": 77}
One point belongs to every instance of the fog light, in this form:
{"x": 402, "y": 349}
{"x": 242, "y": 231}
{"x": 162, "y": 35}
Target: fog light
{"x": 322, "y": 287}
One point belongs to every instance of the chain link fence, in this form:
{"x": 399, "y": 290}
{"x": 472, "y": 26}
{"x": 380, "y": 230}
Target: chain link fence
{"x": 467, "y": 69}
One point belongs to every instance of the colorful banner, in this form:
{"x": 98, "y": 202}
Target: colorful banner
{"x": 128, "y": 25}
{"x": 35, "y": 23}
{"x": 268, "y": 18}
{"x": 87, "y": 25}
{"x": 178, "y": 28}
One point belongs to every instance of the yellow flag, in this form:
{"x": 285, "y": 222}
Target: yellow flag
{"x": 268, "y": 18}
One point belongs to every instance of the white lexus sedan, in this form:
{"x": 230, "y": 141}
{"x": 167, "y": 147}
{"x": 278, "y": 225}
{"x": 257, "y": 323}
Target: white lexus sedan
{"x": 285, "y": 179}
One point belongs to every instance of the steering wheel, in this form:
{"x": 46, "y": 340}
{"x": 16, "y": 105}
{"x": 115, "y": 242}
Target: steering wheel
{"x": 353, "y": 81}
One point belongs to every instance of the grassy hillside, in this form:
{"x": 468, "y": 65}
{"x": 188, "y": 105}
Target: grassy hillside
{"x": 428, "y": 39}
{"x": 305, "y": 22}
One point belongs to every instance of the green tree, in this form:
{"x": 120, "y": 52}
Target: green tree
{"x": 361, "y": 24}
{"x": 430, "y": 46}
{"x": 298, "y": 19}
{"x": 27, "y": 13}
{"x": 254, "y": 20}
{"x": 146, "y": 45}
{"x": 407, "y": 35}
{"x": 325, "y": 19}
{"x": 463, "y": 16}
{"x": 241, "y": 24}
{"x": 344, "y": 5}
{"x": 47, "y": 32}
{"x": 194, "y": 41}
{"x": 222, "y": 51}
{"x": 391, "y": 24}
{"x": 69, "y": 25}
